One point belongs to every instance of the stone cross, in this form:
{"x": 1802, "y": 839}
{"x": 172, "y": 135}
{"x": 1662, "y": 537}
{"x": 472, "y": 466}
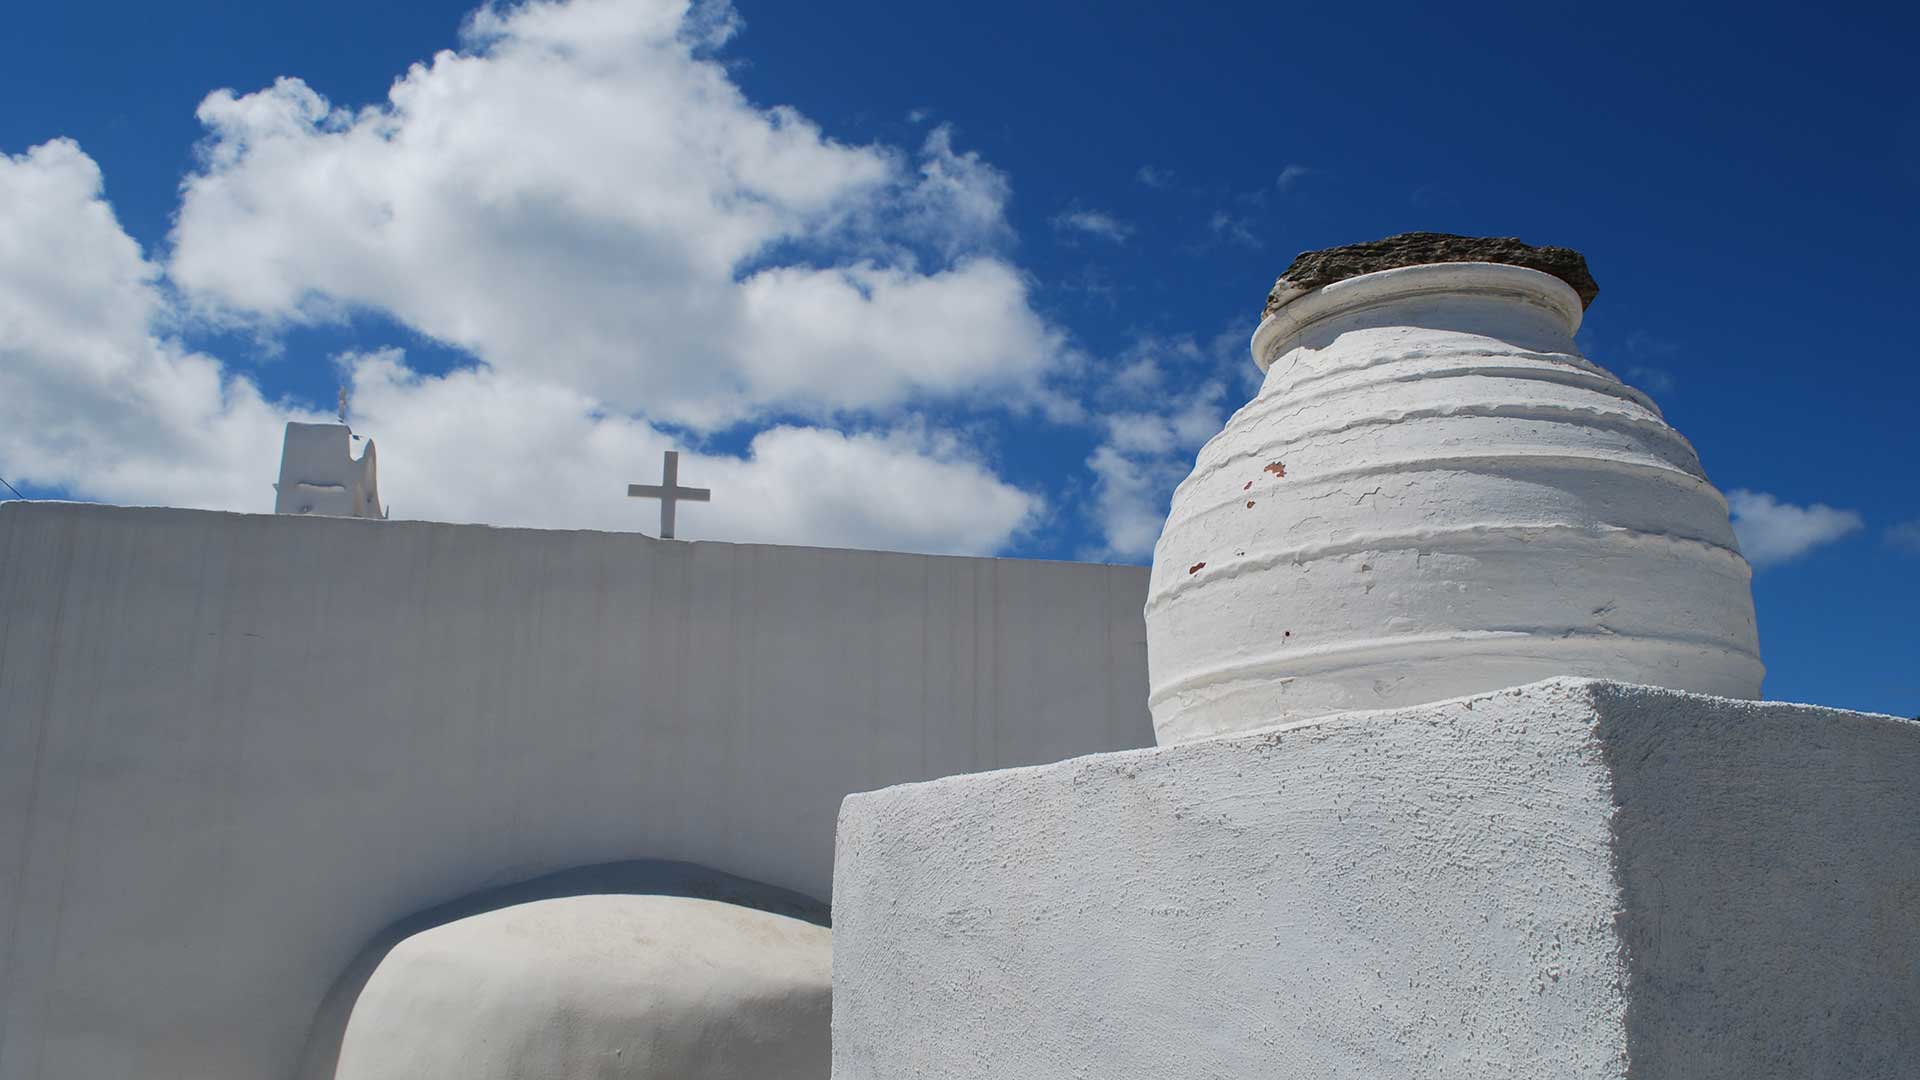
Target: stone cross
{"x": 669, "y": 492}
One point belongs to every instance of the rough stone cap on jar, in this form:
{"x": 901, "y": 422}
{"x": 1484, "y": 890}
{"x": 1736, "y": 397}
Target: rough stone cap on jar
{"x": 1316, "y": 269}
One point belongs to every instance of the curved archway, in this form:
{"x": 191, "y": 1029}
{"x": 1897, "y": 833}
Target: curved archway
{"x": 657, "y": 877}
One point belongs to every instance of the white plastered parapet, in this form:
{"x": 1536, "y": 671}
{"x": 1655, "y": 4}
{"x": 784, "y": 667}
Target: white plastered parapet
{"x": 1571, "y": 879}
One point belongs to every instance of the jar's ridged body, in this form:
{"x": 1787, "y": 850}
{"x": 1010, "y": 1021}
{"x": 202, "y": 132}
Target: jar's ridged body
{"x": 1432, "y": 495}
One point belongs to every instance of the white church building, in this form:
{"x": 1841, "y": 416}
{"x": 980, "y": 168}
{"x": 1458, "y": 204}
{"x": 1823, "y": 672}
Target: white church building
{"x": 1430, "y": 746}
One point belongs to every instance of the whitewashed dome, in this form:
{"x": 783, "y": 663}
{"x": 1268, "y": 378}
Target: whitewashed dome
{"x": 1435, "y": 494}
{"x": 611, "y": 987}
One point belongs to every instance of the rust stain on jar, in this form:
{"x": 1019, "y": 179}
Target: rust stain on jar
{"x": 1246, "y": 486}
{"x": 1249, "y": 504}
{"x": 1277, "y": 468}
{"x": 1196, "y": 568}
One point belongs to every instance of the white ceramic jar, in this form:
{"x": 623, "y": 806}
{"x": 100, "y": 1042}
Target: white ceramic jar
{"x": 1435, "y": 494}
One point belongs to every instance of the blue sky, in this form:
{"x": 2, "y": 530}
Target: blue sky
{"x": 883, "y": 288}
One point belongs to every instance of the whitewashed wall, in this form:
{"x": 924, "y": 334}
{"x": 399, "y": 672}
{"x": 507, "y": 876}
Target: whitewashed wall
{"x": 235, "y": 747}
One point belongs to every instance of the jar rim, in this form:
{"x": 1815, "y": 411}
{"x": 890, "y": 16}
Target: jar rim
{"x": 1402, "y": 282}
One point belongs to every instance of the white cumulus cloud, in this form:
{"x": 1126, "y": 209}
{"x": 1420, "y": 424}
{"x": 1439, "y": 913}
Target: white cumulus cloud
{"x": 1155, "y": 415}
{"x": 479, "y": 446}
{"x": 584, "y": 202}
{"x": 95, "y": 397}
{"x": 583, "y": 195}
{"x": 1773, "y": 532}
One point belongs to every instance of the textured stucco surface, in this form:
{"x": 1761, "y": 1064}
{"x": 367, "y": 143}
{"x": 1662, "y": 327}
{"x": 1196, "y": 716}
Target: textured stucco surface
{"x": 233, "y": 748}
{"x": 604, "y": 987}
{"x": 1569, "y": 879}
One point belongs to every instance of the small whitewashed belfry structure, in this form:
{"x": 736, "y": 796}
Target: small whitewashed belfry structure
{"x": 1430, "y": 747}
{"x": 320, "y": 475}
